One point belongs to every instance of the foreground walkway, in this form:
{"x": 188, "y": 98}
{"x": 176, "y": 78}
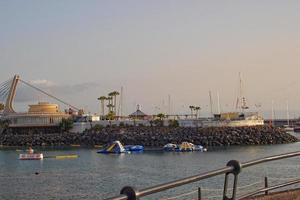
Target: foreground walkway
{"x": 289, "y": 195}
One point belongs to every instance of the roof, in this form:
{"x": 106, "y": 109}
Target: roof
{"x": 137, "y": 113}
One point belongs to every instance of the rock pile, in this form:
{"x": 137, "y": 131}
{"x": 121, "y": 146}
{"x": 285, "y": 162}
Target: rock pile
{"x": 151, "y": 136}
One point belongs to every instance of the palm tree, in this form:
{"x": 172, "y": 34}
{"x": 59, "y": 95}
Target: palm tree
{"x": 110, "y": 105}
{"x": 192, "y": 108}
{"x": 161, "y": 116}
{"x": 114, "y": 95}
{"x": 102, "y": 99}
{"x": 110, "y": 112}
{"x": 197, "y": 108}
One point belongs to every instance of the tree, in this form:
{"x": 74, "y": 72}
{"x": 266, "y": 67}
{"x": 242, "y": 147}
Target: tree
{"x": 114, "y": 95}
{"x": 173, "y": 123}
{"x": 192, "y": 108}
{"x": 197, "y": 108}
{"x": 1, "y": 106}
{"x": 161, "y": 116}
{"x": 66, "y": 124}
{"x": 110, "y": 104}
{"x": 4, "y": 123}
{"x": 110, "y": 116}
{"x": 102, "y": 99}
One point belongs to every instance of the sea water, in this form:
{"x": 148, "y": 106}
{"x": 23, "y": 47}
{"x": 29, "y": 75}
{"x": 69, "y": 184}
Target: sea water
{"x": 99, "y": 176}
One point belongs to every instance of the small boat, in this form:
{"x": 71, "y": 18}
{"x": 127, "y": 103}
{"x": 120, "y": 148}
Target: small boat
{"x": 134, "y": 148}
{"x": 31, "y": 156}
{"x": 170, "y": 147}
{"x": 115, "y": 147}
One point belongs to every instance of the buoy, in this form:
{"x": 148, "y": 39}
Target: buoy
{"x": 36, "y": 173}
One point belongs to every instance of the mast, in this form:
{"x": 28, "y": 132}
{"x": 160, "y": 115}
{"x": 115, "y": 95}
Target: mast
{"x": 218, "y": 96}
{"x": 272, "y": 113}
{"x": 211, "y": 104}
{"x": 169, "y": 104}
{"x": 241, "y": 103}
{"x": 287, "y": 113}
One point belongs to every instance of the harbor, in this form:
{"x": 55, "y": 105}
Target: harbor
{"x": 149, "y": 100}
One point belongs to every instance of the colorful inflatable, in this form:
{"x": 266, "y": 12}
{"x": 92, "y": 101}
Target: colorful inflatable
{"x": 183, "y": 147}
{"x": 134, "y": 148}
{"x": 171, "y": 147}
{"x": 114, "y": 147}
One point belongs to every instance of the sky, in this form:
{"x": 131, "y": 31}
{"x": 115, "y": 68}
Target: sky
{"x": 80, "y": 50}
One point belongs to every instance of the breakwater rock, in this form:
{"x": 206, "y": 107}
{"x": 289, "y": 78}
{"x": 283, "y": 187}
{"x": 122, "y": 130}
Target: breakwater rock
{"x": 151, "y": 136}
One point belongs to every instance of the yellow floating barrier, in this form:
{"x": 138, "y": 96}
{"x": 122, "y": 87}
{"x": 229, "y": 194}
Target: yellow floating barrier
{"x": 71, "y": 156}
{"x": 66, "y": 157}
{"x": 98, "y": 146}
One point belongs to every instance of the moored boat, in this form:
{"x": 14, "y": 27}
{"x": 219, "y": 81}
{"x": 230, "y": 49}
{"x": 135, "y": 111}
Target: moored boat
{"x": 31, "y": 156}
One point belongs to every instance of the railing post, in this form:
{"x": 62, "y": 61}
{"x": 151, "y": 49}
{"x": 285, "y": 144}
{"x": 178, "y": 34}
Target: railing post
{"x": 131, "y": 193}
{"x": 199, "y": 193}
{"x": 266, "y": 185}
{"x": 237, "y": 168}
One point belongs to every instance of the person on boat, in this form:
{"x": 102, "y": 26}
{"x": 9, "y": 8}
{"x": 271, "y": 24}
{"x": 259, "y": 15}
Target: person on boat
{"x": 30, "y": 150}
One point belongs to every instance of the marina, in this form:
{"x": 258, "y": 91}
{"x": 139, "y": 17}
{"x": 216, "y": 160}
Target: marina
{"x": 149, "y": 100}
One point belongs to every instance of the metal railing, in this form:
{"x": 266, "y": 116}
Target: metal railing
{"x": 233, "y": 167}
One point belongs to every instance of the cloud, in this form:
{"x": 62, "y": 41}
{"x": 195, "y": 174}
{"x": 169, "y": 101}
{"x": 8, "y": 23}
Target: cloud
{"x": 42, "y": 82}
{"x": 27, "y": 94}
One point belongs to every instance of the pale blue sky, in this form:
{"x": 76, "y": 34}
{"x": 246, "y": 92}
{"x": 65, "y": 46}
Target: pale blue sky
{"x": 155, "y": 48}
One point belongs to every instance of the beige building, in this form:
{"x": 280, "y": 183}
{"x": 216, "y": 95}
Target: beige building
{"x": 42, "y": 114}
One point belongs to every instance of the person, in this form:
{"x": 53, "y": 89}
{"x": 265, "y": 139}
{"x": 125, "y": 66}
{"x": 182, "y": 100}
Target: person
{"x": 30, "y": 150}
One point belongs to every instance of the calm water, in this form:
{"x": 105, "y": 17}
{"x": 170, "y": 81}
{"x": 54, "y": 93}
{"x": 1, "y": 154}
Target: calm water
{"x": 96, "y": 176}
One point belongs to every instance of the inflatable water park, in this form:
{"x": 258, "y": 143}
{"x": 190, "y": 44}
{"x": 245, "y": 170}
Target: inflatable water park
{"x": 116, "y": 147}
{"x": 184, "y": 147}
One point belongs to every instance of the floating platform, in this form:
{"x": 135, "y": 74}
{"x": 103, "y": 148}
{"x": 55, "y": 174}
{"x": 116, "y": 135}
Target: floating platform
{"x": 31, "y": 156}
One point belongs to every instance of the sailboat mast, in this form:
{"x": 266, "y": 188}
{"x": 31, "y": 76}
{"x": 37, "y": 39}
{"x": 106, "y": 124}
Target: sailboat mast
{"x": 287, "y": 113}
{"x": 218, "y": 96}
{"x": 272, "y": 113}
{"x": 211, "y": 104}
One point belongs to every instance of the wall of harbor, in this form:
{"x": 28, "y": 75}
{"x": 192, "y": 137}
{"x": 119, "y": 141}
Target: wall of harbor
{"x": 150, "y": 136}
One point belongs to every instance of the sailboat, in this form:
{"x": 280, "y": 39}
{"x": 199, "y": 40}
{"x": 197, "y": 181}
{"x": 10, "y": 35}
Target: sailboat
{"x": 240, "y": 117}
{"x": 288, "y": 127}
